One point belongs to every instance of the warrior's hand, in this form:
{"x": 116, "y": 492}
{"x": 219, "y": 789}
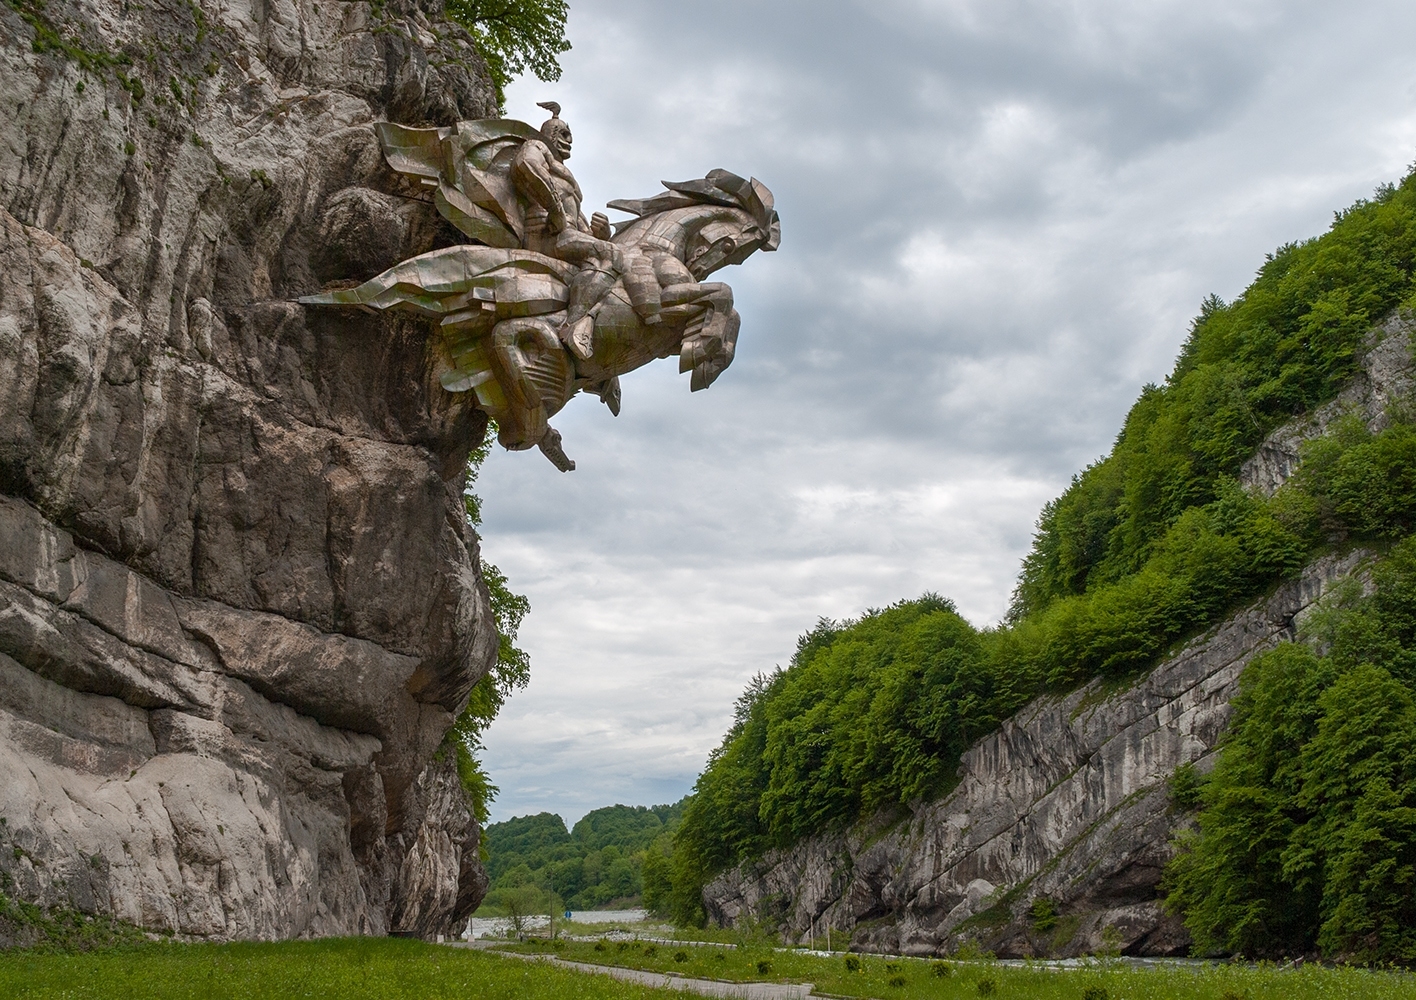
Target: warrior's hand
{"x": 600, "y": 227}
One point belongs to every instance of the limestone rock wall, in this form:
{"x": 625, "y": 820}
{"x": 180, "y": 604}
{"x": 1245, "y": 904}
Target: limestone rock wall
{"x": 239, "y": 600}
{"x": 1067, "y": 800}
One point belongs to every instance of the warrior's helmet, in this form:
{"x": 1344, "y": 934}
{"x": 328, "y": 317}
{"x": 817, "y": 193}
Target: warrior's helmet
{"x": 555, "y": 130}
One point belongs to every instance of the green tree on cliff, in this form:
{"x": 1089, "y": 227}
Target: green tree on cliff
{"x": 510, "y": 673}
{"x": 514, "y": 36}
{"x": 1307, "y": 827}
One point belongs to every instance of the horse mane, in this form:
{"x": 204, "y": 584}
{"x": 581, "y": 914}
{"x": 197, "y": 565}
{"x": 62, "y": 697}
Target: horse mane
{"x": 719, "y": 187}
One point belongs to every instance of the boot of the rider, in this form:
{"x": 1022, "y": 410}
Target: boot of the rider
{"x": 587, "y": 287}
{"x": 643, "y": 287}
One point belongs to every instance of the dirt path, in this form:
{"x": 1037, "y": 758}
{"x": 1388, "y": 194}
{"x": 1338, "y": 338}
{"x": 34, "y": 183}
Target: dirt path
{"x": 703, "y": 987}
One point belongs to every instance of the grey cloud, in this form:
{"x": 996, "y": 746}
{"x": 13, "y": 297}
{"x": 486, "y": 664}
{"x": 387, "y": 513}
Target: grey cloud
{"x": 998, "y": 219}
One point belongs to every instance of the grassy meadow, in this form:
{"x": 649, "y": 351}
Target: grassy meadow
{"x": 393, "y": 969}
{"x": 339, "y": 969}
{"x": 922, "y": 979}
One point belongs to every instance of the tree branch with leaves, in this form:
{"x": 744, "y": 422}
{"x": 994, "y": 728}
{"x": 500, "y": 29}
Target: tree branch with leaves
{"x": 514, "y": 36}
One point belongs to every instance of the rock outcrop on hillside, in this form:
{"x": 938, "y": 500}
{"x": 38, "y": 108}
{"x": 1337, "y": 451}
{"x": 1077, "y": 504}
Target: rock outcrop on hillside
{"x": 240, "y": 604}
{"x": 1069, "y": 801}
{"x": 1387, "y": 379}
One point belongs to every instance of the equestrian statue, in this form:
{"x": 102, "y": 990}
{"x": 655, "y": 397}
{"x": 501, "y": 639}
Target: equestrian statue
{"x": 545, "y": 303}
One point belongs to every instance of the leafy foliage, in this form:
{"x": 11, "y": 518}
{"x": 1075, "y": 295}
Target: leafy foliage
{"x": 511, "y": 671}
{"x": 514, "y": 36}
{"x": 602, "y": 859}
{"x": 1147, "y": 547}
{"x": 1308, "y": 828}
{"x": 521, "y": 902}
{"x": 1282, "y": 347}
{"x": 25, "y": 925}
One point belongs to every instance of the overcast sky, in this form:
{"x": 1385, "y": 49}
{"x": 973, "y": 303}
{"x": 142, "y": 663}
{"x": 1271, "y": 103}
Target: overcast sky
{"x": 998, "y": 218}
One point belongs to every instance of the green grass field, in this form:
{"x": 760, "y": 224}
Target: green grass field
{"x": 343, "y": 969}
{"x": 359, "y": 968}
{"x": 918, "y": 979}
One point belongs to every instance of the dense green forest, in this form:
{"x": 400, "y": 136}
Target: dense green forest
{"x": 1308, "y": 829}
{"x": 1147, "y": 547}
{"x": 598, "y": 861}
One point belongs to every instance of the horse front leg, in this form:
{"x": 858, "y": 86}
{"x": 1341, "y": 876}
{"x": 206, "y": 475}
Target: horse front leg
{"x": 710, "y": 337}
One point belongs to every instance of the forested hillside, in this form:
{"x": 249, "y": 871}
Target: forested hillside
{"x": 1152, "y": 544}
{"x": 600, "y": 860}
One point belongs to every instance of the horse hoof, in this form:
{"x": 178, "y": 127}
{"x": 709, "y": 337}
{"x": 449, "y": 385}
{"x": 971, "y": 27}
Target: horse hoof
{"x": 550, "y": 445}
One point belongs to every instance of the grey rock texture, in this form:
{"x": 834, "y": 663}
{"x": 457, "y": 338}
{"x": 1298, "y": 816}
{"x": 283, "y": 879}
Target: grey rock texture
{"x": 1068, "y": 800}
{"x": 1386, "y": 378}
{"x": 240, "y": 604}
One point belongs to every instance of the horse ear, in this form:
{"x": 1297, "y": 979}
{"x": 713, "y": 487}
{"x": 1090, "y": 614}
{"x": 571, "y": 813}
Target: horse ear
{"x": 658, "y": 203}
{"x": 704, "y": 190}
{"x": 764, "y": 195}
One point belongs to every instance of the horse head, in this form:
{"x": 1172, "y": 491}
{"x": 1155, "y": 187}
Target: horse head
{"x": 709, "y": 223}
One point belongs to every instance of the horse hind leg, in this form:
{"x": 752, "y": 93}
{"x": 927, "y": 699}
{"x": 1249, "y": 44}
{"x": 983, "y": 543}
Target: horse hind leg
{"x": 550, "y": 445}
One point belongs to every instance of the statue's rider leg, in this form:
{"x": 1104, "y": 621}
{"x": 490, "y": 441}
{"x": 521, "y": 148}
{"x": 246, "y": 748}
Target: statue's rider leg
{"x": 587, "y": 287}
{"x": 601, "y": 264}
{"x": 642, "y": 284}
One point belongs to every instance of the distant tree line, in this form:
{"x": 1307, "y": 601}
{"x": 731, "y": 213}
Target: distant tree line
{"x": 1149, "y": 546}
{"x": 600, "y": 861}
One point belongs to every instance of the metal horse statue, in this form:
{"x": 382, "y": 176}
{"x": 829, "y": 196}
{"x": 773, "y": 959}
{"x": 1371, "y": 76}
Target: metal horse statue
{"x": 551, "y": 303}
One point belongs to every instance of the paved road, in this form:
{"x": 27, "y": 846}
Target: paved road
{"x": 703, "y": 987}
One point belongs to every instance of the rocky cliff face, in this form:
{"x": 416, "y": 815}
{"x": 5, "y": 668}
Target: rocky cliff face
{"x": 239, "y": 600}
{"x": 1069, "y": 800}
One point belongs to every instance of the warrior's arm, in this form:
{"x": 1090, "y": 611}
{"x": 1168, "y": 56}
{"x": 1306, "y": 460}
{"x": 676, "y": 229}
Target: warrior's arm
{"x": 531, "y": 173}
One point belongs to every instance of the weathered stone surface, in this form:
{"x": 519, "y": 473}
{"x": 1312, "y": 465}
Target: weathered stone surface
{"x": 1387, "y": 378}
{"x": 239, "y": 600}
{"x": 1067, "y": 800}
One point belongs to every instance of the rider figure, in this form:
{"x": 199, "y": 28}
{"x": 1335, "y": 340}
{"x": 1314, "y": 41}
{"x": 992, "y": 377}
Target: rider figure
{"x": 556, "y": 227}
